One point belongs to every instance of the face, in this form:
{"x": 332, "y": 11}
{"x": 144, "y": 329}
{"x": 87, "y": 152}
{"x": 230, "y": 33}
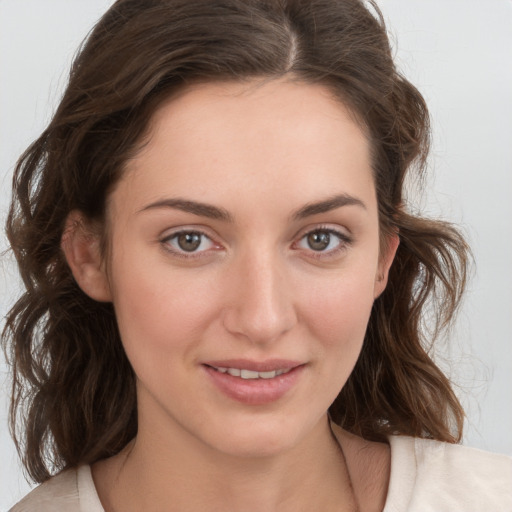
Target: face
{"x": 244, "y": 263}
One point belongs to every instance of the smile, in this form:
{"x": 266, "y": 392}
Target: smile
{"x": 254, "y": 383}
{"x": 251, "y": 374}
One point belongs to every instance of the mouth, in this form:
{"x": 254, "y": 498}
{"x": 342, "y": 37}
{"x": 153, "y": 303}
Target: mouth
{"x": 254, "y": 383}
{"x": 244, "y": 373}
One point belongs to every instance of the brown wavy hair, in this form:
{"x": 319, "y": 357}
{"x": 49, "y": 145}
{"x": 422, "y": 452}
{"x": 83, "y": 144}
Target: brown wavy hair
{"x": 73, "y": 395}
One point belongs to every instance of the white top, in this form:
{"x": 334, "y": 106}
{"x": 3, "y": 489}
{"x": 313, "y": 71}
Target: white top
{"x": 426, "y": 476}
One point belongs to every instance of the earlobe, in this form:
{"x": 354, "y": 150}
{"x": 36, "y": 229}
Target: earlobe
{"x": 386, "y": 260}
{"x": 82, "y": 250}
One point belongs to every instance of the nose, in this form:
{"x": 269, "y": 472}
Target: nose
{"x": 260, "y": 307}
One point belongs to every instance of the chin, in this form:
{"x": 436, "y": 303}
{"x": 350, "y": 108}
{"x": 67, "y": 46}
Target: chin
{"x": 256, "y": 446}
{"x": 257, "y": 437}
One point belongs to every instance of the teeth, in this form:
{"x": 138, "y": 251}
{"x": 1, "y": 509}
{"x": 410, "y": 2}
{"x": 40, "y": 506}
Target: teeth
{"x": 250, "y": 374}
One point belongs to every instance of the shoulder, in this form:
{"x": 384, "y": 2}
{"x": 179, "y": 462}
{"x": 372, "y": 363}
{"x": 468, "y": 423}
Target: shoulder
{"x": 71, "y": 490}
{"x": 447, "y": 477}
{"x": 59, "y": 493}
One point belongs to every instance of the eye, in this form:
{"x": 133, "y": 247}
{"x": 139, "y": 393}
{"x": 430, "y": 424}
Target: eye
{"x": 324, "y": 241}
{"x": 191, "y": 242}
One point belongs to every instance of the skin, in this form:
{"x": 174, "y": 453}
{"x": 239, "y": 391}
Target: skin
{"x": 255, "y": 289}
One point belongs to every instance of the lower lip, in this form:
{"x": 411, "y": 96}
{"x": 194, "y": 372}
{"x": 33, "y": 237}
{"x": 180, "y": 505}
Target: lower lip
{"x": 255, "y": 391}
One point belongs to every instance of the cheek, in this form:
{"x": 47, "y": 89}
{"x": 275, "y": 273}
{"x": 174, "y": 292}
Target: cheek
{"x": 159, "y": 311}
{"x": 337, "y": 319}
{"x": 338, "y": 311}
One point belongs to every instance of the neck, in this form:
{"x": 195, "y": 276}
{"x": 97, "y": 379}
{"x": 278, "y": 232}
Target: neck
{"x": 157, "y": 472}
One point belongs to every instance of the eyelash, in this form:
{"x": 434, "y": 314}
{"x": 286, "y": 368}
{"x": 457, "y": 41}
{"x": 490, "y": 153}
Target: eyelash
{"x": 344, "y": 242}
{"x": 165, "y": 242}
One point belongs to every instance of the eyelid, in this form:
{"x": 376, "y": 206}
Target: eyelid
{"x": 344, "y": 237}
{"x": 172, "y": 233}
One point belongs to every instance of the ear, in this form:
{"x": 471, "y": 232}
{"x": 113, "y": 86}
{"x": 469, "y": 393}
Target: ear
{"x": 386, "y": 259}
{"x": 82, "y": 250}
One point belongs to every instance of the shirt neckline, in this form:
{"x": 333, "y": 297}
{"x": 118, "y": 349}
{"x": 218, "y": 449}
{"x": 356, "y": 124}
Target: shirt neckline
{"x": 401, "y": 478}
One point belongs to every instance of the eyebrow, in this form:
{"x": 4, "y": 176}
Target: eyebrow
{"x": 327, "y": 205}
{"x": 217, "y": 213}
{"x": 197, "y": 208}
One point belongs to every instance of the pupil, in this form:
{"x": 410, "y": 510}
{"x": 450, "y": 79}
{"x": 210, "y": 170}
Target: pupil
{"x": 189, "y": 241}
{"x": 319, "y": 240}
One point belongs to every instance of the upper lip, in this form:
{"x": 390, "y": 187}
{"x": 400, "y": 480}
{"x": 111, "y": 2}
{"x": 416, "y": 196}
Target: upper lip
{"x": 255, "y": 366}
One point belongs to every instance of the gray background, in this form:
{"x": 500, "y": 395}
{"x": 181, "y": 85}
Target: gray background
{"x": 459, "y": 54}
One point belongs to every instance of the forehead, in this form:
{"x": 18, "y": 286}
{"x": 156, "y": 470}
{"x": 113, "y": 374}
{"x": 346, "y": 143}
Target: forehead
{"x": 264, "y": 138}
{"x": 260, "y": 108}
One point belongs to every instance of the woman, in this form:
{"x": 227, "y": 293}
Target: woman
{"x": 225, "y": 288}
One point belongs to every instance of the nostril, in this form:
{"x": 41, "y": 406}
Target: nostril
{"x": 260, "y": 308}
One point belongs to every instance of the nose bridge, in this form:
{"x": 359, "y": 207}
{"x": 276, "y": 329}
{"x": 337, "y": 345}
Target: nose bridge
{"x": 261, "y": 308}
